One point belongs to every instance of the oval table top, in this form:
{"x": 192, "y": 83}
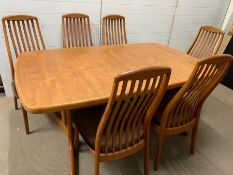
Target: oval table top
{"x": 62, "y": 79}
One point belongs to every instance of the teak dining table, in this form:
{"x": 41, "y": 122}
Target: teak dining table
{"x": 64, "y": 79}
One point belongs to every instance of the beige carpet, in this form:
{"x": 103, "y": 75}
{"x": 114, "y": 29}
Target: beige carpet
{"x": 44, "y": 152}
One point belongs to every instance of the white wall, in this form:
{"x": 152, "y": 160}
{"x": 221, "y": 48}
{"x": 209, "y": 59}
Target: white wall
{"x": 191, "y": 14}
{"x": 147, "y": 20}
{"x": 229, "y": 17}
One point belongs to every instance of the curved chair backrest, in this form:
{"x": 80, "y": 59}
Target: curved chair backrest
{"x": 76, "y": 30}
{"x": 113, "y": 30}
{"x": 207, "y": 42}
{"x": 133, "y": 101}
{"x": 23, "y": 33}
{"x": 186, "y": 105}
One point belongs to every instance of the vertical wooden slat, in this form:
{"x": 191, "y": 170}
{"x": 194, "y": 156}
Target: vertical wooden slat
{"x": 82, "y": 31}
{"x": 21, "y": 35}
{"x": 26, "y": 35}
{"x": 72, "y": 31}
{"x": 17, "y": 37}
{"x": 107, "y": 39}
{"x": 115, "y": 31}
{"x": 89, "y": 31}
{"x": 64, "y": 38}
{"x": 35, "y": 34}
{"x": 79, "y": 32}
{"x": 30, "y": 34}
{"x": 109, "y": 32}
{"x": 125, "y": 37}
{"x": 103, "y": 32}
{"x": 121, "y": 31}
{"x": 112, "y": 31}
{"x": 75, "y": 32}
{"x": 67, "y": 31}
{"x": 6, "y": 36}
{"x": 118, "y": 31}
{"x": 40, "y": 34}
{"x": 86, "y": 30}
{"x": 12, "y": 38}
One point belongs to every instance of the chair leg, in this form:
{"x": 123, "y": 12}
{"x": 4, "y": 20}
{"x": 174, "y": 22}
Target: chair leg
{"x": 97, "y": 166}
{"x": 25, "y": 118}
{"x": 193, "y": 139}
{"x": 16, "y": 103}
{"x": 76, "y": 140}
{"x": 158, "y": 150}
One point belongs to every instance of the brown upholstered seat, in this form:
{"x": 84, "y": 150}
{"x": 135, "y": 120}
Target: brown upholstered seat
{"x": 87, "y": 121}
{"x": 163, "y": 104}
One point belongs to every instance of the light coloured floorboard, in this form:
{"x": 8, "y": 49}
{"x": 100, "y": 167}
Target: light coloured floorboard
{"x": 45, "y": 150}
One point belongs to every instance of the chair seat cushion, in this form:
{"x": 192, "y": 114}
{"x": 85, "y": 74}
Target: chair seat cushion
{"x": 87, "y": 121}
{"x": 14, "y": 89}
{"x": 163, "y": 104}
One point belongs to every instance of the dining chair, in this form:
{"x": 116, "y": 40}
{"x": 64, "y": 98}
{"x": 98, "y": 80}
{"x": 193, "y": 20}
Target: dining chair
{"x": 121, "y": 128}
{"x": 22, "y": 33}
{"x": 207, "y": 42}
{"x": 113, "y": 30}
{"x": 179, "y": 112}
{"x": 76, "y": 30}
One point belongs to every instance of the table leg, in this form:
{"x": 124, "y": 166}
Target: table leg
{"x": 70, "y": 142}
{"x": 63, "y": 116}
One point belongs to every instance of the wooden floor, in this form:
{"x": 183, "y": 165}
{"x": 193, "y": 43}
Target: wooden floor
{"x": 45, "y": 150}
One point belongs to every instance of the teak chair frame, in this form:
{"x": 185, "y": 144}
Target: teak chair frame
{"x": 141, "y": 92}
{"x": 76, "y": 30}
{"x": 113, "y": 30}
{"x": 183, "y": 111}
{"x": 25, "y": 35}
{"x": 207, "y": 42}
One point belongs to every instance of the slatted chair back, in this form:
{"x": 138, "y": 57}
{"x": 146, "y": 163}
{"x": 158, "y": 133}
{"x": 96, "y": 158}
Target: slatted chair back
{"x": 22, "y": 33}
{"x": 113, "y": 30}
{"x": 185, "y": 107}
{"x": 76, "y": 30}
{"x": 131, "y": 106}
{"x": 207, "y": 42}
